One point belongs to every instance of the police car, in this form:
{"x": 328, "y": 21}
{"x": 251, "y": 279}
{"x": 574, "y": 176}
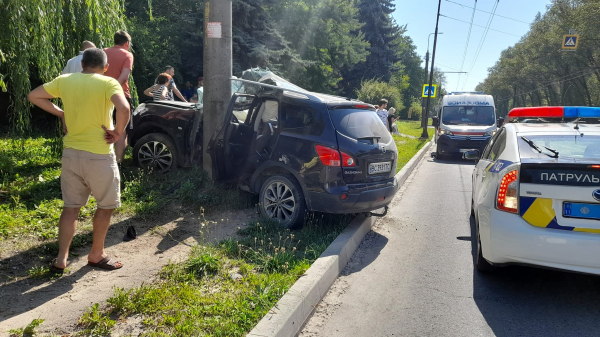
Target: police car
{"x": 536, "y": 191}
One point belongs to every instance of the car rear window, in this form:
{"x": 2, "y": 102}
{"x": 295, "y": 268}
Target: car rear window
{"x": 568, "y": 146}
{"x": 359, "y": 123}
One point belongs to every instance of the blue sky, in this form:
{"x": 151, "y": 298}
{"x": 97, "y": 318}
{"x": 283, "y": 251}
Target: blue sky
{"x": 420, "y": 16}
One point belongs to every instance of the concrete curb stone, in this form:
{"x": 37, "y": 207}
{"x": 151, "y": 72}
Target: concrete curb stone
{"x": 288, "y": 315}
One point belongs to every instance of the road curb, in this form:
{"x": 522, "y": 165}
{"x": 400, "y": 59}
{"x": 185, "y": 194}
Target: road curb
{"x": 288, "y": 315}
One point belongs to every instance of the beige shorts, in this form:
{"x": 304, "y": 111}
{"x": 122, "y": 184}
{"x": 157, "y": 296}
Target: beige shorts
{"x": 84, "y": 173}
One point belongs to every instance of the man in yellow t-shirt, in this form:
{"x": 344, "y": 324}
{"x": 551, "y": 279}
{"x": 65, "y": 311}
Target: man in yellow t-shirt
{"x": 88, "y": 160}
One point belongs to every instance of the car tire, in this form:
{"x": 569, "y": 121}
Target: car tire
{"x": 281, "y": 199}
{"x": 481, "y": 264}
{"x": 155, "y": 152}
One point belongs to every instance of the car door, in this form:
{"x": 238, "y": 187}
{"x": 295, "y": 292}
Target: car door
{"x": 229, "y": 145}
{"x": 481, "y": 169}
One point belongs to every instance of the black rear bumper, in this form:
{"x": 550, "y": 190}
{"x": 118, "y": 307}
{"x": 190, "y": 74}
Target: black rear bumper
{"x": 360, "y": 198}
{"x": 450, "y": 145}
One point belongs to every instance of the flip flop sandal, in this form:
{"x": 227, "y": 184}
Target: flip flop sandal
{"x": 106, "y": 263}
{"x": 54, "y": 269}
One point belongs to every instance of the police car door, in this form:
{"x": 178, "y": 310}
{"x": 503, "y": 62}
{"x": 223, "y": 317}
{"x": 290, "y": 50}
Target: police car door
{"x": 488, "y": 168}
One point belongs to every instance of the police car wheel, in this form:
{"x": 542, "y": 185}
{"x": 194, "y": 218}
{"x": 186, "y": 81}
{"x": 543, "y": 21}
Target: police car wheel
{"x": 481, "y": 263}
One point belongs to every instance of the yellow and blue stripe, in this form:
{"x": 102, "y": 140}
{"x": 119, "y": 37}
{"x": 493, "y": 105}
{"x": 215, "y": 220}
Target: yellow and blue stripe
{"x": 539, "y": 212}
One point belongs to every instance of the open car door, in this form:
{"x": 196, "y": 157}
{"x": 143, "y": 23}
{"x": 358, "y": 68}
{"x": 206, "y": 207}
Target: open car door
{"x": 229, "y": 146}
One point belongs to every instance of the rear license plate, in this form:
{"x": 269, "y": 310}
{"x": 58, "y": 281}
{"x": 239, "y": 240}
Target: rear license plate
{"x": 581, "y": 211}
{"x": 466, "y": 150}
{"x": 375, "y": 168}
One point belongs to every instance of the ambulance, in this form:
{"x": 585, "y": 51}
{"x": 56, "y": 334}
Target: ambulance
{"x": 466, "y": 122}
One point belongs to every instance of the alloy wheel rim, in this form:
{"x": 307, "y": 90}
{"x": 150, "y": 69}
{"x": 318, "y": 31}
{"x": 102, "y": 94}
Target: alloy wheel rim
{"x": 156, "y": 156}
{"x": 279, "y": 202}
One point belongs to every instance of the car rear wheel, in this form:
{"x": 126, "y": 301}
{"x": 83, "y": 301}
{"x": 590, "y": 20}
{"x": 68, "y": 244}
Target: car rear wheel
{"x": 281, "y": 199}
{"x": 155, "y": 152}
{"x": 481, "y": 263}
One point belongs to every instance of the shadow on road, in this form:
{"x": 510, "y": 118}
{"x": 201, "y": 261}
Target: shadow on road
{"x": 368, "y": 251}
{"x": 525, "y": 301}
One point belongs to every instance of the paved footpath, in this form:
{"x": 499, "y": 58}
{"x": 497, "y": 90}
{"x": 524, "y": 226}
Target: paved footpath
{"x": 413, "y": 276}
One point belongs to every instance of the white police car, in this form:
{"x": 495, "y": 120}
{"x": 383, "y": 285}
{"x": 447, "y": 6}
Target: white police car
{"x": 536, "y": 191}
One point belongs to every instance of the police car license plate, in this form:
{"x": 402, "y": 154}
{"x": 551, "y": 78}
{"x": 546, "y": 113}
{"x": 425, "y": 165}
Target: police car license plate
{"x": 375, "y": 168}
{"x": 581, "y": 211}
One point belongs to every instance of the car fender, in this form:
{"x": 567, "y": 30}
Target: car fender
{"x": 272, "y": 164}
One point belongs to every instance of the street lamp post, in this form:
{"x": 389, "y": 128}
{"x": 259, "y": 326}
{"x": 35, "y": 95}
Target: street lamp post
{"x": 425, "y": 135}
{"x": 425, "y": 117}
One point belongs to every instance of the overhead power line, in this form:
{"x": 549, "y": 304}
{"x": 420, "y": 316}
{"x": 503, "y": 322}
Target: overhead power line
{"x": 466, "y": 45}
{"x": 489, "y": 23}
{"x": 479, "y": 10}
{"x": 494, "y": 30}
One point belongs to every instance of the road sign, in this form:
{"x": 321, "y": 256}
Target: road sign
{"x": 570, "y": 42}
{"x": 427, "y": 92}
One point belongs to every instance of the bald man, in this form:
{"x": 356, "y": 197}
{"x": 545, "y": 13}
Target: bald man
{"x": 74, "y": 64}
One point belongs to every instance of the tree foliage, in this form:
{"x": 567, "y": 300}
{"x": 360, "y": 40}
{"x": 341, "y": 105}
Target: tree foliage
{"x": 372, "y": 91}
{"x": 536, "y": 71}
{"x": 38, "y": 36}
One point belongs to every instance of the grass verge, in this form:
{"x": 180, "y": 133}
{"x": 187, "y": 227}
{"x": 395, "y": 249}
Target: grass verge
{"x": 408, "y": 146}
{"x": 222, "y": 289}
{"x": 30, "y": 194}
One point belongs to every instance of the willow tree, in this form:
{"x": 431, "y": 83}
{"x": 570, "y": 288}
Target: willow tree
{"x": 37, "y": 37}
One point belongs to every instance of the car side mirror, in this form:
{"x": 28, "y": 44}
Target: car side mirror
{"x": 472, "y": 155}
{"x": 435, "y": 121}
{"x": 500, "y": 122}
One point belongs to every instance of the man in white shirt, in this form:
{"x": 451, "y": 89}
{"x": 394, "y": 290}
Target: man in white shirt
{"x": 74, "y": 64}
{"x": 382, "y": 112}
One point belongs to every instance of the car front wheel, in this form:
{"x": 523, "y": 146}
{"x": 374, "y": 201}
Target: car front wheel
{"x": 155, "y": 152}
{"x": 281, "y": 199}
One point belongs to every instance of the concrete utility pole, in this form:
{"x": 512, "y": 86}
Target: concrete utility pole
{"x": 217, "y": 71}
{"x": 424, "y": 116}
{"x": 437, "y": 23}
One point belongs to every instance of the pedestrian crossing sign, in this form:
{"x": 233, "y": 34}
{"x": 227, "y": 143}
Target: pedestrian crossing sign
{"x": 427, "y": 92}
{"x": 570, "y": 42}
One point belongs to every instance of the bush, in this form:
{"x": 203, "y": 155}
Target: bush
{"x": 417, "y": 110}
{"x": 372, "y": 91}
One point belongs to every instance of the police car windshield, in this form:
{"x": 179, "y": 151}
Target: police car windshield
{"x": 569, "y": 146}
{"x": 468, "y": 115}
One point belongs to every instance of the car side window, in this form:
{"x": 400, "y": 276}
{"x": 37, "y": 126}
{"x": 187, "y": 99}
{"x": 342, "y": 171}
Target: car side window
{"x": 488, "y": 148}
{"x": 498, "y": 146}
{"x": 297, "y": 119}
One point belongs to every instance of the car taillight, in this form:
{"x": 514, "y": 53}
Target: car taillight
{"x": 507, "y": 193}
{"x": 328, "y": 156}
{"x": 347, "y": 160}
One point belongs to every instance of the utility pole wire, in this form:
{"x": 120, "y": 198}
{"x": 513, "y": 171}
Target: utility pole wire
{"x": 498, "y": 15}
{"x": 495, "y": 30}
{"x": 489, "y": 23}
{"x": 466, "y": 45}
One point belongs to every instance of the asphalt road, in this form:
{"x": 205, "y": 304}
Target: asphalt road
{"x": 413, "y": 276}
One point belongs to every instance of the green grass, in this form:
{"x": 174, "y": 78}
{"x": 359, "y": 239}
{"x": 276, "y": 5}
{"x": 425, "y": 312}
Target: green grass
{"x": 30, "y": 194}
{"x": 199, "y": 297}
{"x": 29, "y": 330}
{"x": 408, "y": 147}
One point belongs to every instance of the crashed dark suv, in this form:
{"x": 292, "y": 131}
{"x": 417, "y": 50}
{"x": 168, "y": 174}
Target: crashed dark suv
{"x": 299, "y": 151}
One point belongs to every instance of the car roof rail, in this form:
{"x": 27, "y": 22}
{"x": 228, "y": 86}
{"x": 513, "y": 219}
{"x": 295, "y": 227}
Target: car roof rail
{"x": 298, "y": 93}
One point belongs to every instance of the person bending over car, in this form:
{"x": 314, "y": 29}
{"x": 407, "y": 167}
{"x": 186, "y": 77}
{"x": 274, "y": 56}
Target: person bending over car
{"x": 160, "y": 90}
{"x": 89, "y": 164}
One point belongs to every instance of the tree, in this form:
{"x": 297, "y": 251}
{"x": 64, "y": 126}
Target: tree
{"x": 37, "y": 37}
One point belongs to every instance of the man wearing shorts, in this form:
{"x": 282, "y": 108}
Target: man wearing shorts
{"x": 88, "y": 161}
{"x": 121, "y": 64}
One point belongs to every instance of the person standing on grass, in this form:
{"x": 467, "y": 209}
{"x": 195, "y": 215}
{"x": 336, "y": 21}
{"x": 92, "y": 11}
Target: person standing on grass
{"x": 74, "y": 64}
{"x": 121, "y": 64}
{"x": 172, "y": 87}
{"x": 88, "y": 161}
{"x": 382, "y": 112}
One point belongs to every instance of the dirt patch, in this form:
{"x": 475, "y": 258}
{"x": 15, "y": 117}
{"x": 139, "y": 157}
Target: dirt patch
{"x": 62, "y": 301}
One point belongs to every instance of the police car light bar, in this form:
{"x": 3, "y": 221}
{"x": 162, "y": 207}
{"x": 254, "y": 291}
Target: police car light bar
{"x": 555, "y": 112}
